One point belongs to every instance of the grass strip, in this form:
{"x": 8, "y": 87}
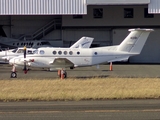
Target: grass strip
{"x": 79, "y": 89}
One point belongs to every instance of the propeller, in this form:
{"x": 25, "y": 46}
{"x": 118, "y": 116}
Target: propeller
{"x": 25, "y": 66}
{"x": 6, "y": 56}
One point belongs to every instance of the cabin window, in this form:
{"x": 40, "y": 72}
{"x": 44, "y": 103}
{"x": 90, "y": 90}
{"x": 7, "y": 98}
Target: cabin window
{"x": 95, "y": 53}
{"x": 78, "y": 53}
{"x": 65, "y": 52}
{"x": 70, "y": 52}
{"x": 59, "y": 52}
{"x": 41, "y": 52}
{"x": 17, "y": 44}
{"x": 54, "y": 52}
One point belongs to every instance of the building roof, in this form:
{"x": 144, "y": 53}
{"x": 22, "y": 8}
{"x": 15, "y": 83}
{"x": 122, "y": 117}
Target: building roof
{"x": 65, "y": 7}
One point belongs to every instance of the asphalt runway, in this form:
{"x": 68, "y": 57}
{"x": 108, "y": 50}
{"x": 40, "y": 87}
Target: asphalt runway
{"x": 82, "y": 110}
{"x": 119, "y": 70}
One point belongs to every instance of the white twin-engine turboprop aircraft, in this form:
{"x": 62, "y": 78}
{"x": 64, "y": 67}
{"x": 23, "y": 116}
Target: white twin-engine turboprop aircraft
{"x": 62, "y": 58}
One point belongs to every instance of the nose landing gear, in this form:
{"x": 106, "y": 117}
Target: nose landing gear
{"x": 13, "y": 73}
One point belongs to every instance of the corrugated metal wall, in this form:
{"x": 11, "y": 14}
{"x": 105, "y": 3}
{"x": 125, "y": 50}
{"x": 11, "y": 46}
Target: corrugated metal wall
{"x": 42, "y": 7}
{"x": 154, "y": 6}
{"x": 116, "y": 2}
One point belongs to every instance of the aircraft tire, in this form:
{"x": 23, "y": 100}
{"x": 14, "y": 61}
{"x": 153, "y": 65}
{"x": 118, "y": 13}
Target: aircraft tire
{"x": 65, "y": 75}
{"x": 13, "y": 75}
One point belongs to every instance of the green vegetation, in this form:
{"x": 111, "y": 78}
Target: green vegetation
{"x": 79, "y": 89}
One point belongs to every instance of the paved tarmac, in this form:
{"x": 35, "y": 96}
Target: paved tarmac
{"x": 119, "y": 70}
{"x": 82, "y": 110}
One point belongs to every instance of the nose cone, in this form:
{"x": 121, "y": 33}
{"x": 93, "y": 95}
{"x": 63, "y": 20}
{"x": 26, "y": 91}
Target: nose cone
{"x": 11, "y": 61}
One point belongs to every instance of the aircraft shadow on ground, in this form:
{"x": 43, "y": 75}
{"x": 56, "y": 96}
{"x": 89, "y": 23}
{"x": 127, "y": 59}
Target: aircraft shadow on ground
{"x": 86, "y": 77}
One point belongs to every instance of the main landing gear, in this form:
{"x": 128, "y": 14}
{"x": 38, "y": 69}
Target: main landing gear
{"x": 62, "y": 74}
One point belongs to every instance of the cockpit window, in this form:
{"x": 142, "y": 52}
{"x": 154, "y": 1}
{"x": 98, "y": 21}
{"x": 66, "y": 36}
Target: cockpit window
{"x": 29, "y": 52}
{"x": 35, "y": 52}
{"x": 41, "y": 52}
{"x": 20, "y": 51}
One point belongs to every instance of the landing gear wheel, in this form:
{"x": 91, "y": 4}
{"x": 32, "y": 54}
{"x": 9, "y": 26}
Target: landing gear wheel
{"x": 13, "y": 75}
{"x": 63, "y": 74}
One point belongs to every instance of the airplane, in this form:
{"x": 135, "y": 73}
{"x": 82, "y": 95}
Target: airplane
{"x": 5, "y": 56}
{"x": 62, "y": 58}
{"x": 11, "y": 43}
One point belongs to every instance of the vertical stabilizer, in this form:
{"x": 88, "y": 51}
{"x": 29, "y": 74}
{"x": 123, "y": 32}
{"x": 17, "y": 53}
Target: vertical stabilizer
{"x": 84, "y": 42}
{"x": 135, "y": 41}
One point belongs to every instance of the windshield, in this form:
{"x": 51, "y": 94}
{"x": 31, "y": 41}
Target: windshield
{"x": 30, "y": 52}
{"x": 20, "y": 51}
{"x": 35, "y": 52}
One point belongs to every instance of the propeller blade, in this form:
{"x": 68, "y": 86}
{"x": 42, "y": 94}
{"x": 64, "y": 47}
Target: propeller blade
{"x": 25, "y": 51}
{"x": 25, "y": 67}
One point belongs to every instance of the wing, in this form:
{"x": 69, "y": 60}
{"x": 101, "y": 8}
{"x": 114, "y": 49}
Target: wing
{"x": 61, "y": 63}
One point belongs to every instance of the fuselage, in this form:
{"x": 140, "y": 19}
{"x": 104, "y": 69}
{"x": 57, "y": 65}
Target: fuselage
{"x": 79, "y": 57}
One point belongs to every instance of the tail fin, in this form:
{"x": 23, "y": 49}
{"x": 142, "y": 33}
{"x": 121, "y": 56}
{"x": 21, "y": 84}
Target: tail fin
{"x": 84, "y": 42}
{"x": 135, "y": 41}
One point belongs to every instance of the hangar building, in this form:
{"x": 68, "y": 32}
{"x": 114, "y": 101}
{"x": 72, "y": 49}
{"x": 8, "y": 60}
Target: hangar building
{"x": 66, "y": 21}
